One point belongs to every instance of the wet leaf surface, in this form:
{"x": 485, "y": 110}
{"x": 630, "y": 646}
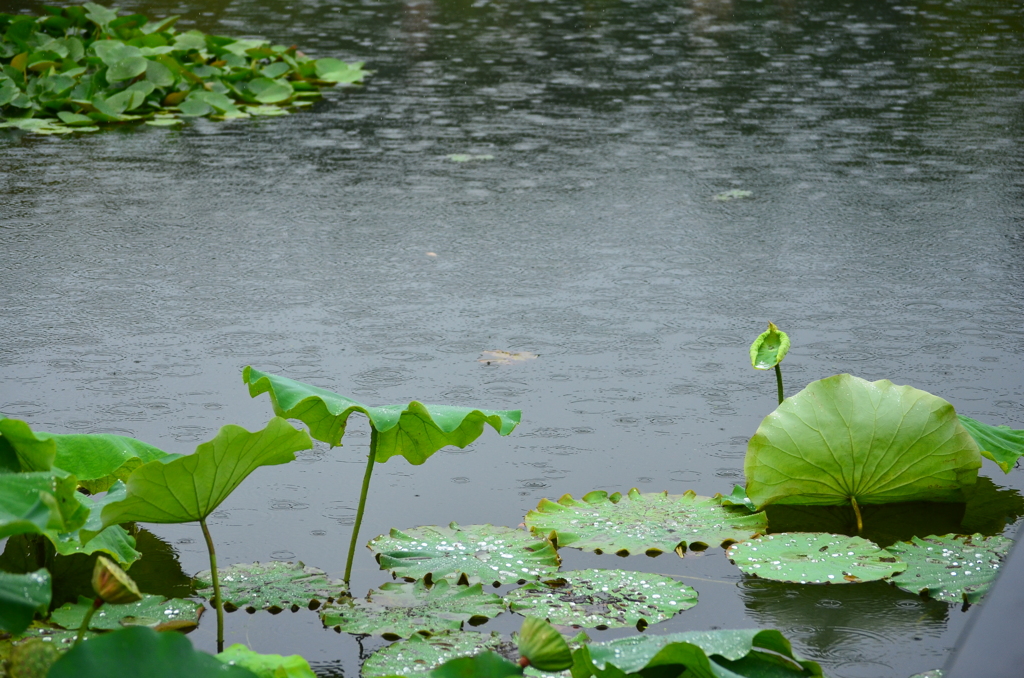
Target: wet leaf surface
{"x": 152, "y": 611}
{"x": 273, "y": 586}
{"x": 603, "y": 598}
{"x": 810, "y": 558}
{"x": 420, "y": 654}
{"x": 950, "y": 568}
{"x": 1001, "y": 444}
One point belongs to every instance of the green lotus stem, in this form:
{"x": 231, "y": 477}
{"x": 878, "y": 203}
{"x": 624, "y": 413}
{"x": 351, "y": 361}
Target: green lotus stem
{"x": 96, "y": 604}
{"x": 856, "y": 510}
{"x": 362, "y": 504}
{"x": 778, "y": 380}
{"x": 216, "y": 585}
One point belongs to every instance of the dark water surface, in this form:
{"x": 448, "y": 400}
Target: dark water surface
{"x": 142, "y": 268}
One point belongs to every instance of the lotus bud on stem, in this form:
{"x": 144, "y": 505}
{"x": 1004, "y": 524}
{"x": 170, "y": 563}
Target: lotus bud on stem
{"x": 111, "y": 585}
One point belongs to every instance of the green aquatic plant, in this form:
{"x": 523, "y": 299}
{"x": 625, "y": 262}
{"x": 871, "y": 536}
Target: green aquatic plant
{"x": 1001, "y": 444}
{"x": 844, "y": 440}
{"x": 414, "y": 431}
{"x": 21, "y": 597}
{"x": 75, "y": 68}
{"x": 814, "y": 558}
{"x": 273, "y": 586}
{"x": 768, "y": 351}
{"x": 191, "y": 487}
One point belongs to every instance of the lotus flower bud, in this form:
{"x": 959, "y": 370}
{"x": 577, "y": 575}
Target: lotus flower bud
{"x": 112, "y": 584}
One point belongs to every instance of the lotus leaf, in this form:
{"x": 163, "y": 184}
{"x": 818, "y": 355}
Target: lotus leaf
{"x": 35, "y": 503}
{"x": 421, "y": 654}
{"x": 266, "y": 665}
{"x": 21, "y": 596}
{"x": 486, "y": 665}
{"x": 603, "y": 598}
{"x": 950, "y": 568}
{"x": 1001, "y": 444}
{"x": 189, "y": 488}
{"x": 273, "y": 586}
{"x": 814, "y": 558}
{"x": 769, "y": 348}
{"x": 542, "y": 647}
{"x": 141, "y": 651}
{"x": 703, "y": 654}
{"x": 153, "y": 611}
{"x": 847, "y": 440}
{"x": 643, "y": 523}
{"x": 398, "y": 610}
{"x": 484, "y": 553}
{"x": 414, "y": 431}
{"x": 31, "y": 658}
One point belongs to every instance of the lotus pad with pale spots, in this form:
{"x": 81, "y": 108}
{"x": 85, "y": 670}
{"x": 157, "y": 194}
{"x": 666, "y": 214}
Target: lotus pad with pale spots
{"x": 950, "y": 568}
{"x": 273, "y": 586}
{"x": 484, "y": 553}
{"x": 814, "y": 558}
{"x": 649, "y": 523}
{"x": 603, "y": 598}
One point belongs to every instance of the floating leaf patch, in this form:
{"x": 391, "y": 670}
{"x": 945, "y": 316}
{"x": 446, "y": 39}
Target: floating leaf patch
{"x": 273, "y": 586}
{"x": 484, "y": 553}
{"x": 643, "y": 523}
{"x": 420, "y": 654}
{"x": 950, "y": 568}
{"x": 505, "y": 358}
{"x": 398, "y": 610}
{"x": 152, "y": 611}
{"x": 414, "y": 431}
{"x": 266, "y": 665}
{"x": 814, "y": 558}
{"x": 1001, "y": 444}
{"x": 844, "y": 438}
{"x": 603, "y": 598}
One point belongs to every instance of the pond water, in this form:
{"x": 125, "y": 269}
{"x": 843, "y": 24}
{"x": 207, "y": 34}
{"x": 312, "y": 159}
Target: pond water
{"x": 881, "y": 143}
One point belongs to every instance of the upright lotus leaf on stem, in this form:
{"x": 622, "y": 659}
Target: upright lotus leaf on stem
{"x": 191, "y": 487}
{"x": 1001, "y": 444}
{"x": 768, "y": 351}
{"x": 414, "y": 431}
{"x": 844, "y": 440}
{"x": 21, "y": 596}
{"x": 542, "y": 646}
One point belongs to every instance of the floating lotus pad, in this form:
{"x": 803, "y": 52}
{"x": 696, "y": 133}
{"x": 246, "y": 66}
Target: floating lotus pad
{"x": 499, "y": 555}
{"x": 420, "y": 654}
{"x": 398, "y": 610}
{"x": 950, "y": 568}
{"x": 603, "y": 598}
{"x": 814, "y": 558}
{"x": 844, "y": 438}
{"x": 153, "y": 611}
{"x": 648, "y": 523}
{"x": 273, "y": 586}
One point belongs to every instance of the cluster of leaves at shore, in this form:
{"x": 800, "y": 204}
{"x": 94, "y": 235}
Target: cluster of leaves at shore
{"x": 78, "y": 67}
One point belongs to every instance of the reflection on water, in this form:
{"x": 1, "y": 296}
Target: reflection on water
{"x": 142, "y": 268}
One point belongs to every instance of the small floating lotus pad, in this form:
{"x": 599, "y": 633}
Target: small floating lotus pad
{"x": 398, "y": 610}
{"x": 266, "y": 665}
{"x": 643, "y": 523}
{"x": 611, "y": 598}
{"x": 482, "y": 552}
{"x": 152, "y": 611}
{"x": 814, "y": 558}
{"x": 273, "y": 586}
{"x": 1001, "y": 444}
{"x": 420, "y": 654}
{"x": 950, "y": 568}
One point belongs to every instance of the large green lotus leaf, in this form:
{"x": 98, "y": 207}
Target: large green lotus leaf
{"x": 33, "y": 503}
{"x": 1001, "y": 444}
{"x": 21, "y": 596}
{"x": 486, "y": 665}
{"x": 814, "y": 558}
{"x": 33, "y": 453}
{"x": 421, "y": 654}
{"x": 273, "y": 586}
{"x": 152, "y": 611}
{"x": 603, "y": 598}
{"x": 951, "y": 568}
{"x": 398, "y": 609}
{"x": 141, "y": 651}
{"x": 414, "y": 431}
{"x": 844, "y": 438}
{"x": 484, "y": 553}
{"x": 643, "y": 523}
{"x": 266, "y": 665}
{"x": 191, "y": 487}
{"x": 703, "y": 654}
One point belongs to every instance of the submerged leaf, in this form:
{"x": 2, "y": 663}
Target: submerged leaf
{"x": 814, "y": 558}
{"x": 950, "y": 568}
{"x": 273, "y": 586}
{"x": 505, "y": 358}
{"x": 398, "y": 610}
{"x": 1001, "y": 444}
{"x": 421, "y": 654}
{"x": 493, "y": 555}
{"x": 844, "y": 437}
{"x": 643, "y": 523}
{"x": 414, "y": 431}
{"x": 603, "y": 598}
